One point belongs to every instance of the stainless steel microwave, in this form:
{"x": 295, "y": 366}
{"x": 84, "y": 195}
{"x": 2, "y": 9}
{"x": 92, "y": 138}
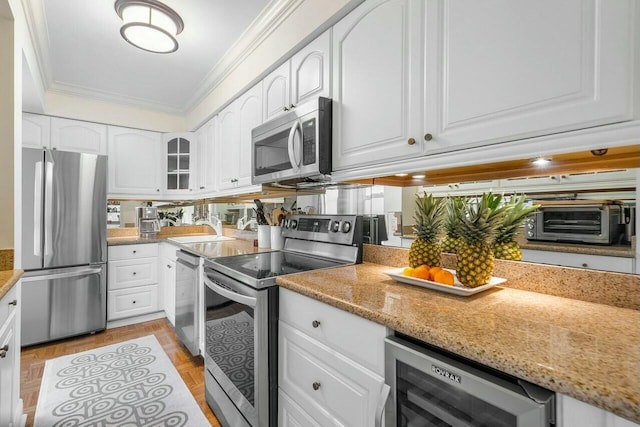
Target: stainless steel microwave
{"x": 592, "y": 222}
{"x": 293, "y": 146}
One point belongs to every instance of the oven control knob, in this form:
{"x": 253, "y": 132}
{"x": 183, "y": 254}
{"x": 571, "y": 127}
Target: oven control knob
{"x": 346, "y": 227}
{"x": 335, "y": 226}
{"x": 530, "y": 225}
{"x": 529, "y": 233}
{"x": 293, "y": 223}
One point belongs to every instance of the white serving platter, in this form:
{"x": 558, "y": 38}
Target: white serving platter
{"x": 456, "y": 289}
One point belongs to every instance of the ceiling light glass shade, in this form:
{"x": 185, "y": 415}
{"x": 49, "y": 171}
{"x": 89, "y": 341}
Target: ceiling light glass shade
{"x": 149, "y": 25}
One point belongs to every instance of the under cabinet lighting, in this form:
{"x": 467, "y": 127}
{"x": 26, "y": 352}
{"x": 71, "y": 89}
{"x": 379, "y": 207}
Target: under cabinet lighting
{"x": 149, "y": 25}
{"x": 401, "y": 174}
{"x": 541, "y": 161}
{"x": 418, "y": 176}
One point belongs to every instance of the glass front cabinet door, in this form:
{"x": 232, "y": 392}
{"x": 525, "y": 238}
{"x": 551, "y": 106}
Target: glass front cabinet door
{"x": 179, "y": 162}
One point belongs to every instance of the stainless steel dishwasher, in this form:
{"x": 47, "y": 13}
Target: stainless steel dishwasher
{"x": 187, "y": 325}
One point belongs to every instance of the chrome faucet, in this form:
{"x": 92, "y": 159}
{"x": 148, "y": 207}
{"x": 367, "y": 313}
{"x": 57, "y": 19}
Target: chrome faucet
{"x": 241, "y": 224}
{"x": 215, "y": 223}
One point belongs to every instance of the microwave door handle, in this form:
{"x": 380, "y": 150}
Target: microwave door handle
{"x": 290, "y": 148}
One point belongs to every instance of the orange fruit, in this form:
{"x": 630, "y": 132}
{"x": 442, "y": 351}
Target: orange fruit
{"x": 408, "y": 271}
{"x": 421, "y": 272}
{"x": 443, "y": 276}
{"x": 433, "y": 271}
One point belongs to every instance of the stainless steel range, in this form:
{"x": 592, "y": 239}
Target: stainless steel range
{"x": 242, "y": 313}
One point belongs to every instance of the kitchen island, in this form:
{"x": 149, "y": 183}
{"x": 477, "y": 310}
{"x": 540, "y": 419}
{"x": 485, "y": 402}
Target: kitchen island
{"x": 585, "y": 350}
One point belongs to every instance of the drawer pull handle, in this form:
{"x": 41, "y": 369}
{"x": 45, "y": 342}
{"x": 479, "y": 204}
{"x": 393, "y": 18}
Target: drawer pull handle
{"x": 134, "y": 302}
{"x": 428, "y": 137}
{"x": 134, "y": 273}
{"x": 411, "y": 141}
{"x": 316, "y": 385}
{"x": 13, "y": 302}
{"x": 315, "y": 323}
{"x": 3, "y": 351}
{"x": 585, "y": 265}
{"x": 135, "y": 252}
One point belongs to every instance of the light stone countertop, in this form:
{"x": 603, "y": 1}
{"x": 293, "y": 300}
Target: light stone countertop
{"x": 8, "y": 278}
{"x": 583, "y": 349}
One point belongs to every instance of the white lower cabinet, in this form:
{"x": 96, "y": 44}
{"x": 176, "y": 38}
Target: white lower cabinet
{"x": 574, "y": 413}
{"x": 132, "y": 281}
{"x": 167, "y": 272}
{"x": 11, "y": 413}
{"x": 324, "y": 378}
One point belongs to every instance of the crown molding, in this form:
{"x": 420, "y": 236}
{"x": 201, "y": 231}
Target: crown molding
{"x": 39, "y": 34}
{"x": 113, "y": 97}
{"x": 271, "y": 17}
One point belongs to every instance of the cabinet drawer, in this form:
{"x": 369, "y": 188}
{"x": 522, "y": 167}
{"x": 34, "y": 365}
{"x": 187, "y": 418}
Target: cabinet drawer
{"x": 5, "y": 308}
{"x": 326, "y": 384}
{"x": 292, "y": 415}
{"x": 168, "y": 250}
{"x": 134, "y": 272}
{"x": 133, "y": 251}
{"x": 132, "y": 302}
{"x": 335, "y": 327}
{"x": 591, "y": 262}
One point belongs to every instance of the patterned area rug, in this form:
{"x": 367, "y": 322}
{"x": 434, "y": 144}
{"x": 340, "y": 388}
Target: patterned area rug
{"x": 130, "y": 384}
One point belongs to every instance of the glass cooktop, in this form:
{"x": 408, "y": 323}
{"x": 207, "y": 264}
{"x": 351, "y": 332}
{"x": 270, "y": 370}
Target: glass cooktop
{"x": 264, "y": 265}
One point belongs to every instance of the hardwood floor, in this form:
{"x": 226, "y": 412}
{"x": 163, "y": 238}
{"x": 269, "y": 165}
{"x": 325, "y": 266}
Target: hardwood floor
{"x": 32, "y": 360}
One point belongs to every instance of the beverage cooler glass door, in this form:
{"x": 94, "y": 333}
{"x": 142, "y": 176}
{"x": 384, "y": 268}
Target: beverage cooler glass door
{"x": 430, "y": 389}
{"x": 236, "y": 348}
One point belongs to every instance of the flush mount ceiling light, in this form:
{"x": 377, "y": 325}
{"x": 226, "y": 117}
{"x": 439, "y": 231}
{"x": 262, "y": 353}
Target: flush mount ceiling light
{"x": 149, "y": 25}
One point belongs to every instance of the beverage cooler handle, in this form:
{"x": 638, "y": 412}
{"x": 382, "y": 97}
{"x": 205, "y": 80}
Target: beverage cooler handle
{"x": 384, "y": 396}
{"x": 290, "y": 148}
{"x": 37, "y": 210}
{"x": 48, "y": 209}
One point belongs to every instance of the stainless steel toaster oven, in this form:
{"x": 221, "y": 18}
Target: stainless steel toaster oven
{"x": 591, "y": 222}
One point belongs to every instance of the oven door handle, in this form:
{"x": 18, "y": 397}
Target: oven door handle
{"x": 228, "y": 293}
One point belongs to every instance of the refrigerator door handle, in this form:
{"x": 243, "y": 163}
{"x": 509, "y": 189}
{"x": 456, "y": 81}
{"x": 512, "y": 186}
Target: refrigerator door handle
{"x": 66, "y": 274}
{"x": 48, "y": 209}
{"x": 37, "y": 210}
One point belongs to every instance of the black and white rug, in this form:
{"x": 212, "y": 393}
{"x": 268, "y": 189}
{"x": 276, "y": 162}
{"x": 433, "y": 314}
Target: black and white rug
{"x": 130, "y": 384}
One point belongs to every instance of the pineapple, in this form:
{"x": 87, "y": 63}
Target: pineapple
{"x": 450, "y": 241}
{"x": 505, "y": 246}
{"x": 477, "y": 228}
{"x": 429, "y": 218}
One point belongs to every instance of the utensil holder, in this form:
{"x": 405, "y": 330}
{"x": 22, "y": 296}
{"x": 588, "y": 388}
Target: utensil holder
{"x": 264, "y": 236}
{"x": 277, "y": 239}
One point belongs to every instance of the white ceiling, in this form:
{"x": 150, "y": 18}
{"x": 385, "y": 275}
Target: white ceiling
{"x": 85, "y": 55}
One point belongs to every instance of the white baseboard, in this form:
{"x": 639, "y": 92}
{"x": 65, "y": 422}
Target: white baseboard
{"x": 135, "y": 319}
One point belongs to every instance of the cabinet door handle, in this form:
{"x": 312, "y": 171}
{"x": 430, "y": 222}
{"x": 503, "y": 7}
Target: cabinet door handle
{"x": 135, "y": 252}
{"x": 384, "y": 395}
{"x": 292, "y": 106}
{"x": 202, "y": 188}
{"x": 411, "y": 141}
{"x": 315, "y": 323}
{"x": 3, "y": 351}
{"x": 13, "y": 302}
{"x": 316, "y": 385}
{"x": 158, "y": 190}
{"x": 134, "y": 273}
{"x": 585, "y": 265}
{"x": 168, "y": 265}
{"x": 428, "y": 137}
{"x": 134, "y": 302}
{"x": 286, "y": 109}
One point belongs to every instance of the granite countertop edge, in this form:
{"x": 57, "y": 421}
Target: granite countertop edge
{"x": 604, "y": 396}
{"x": 8, "y": 278}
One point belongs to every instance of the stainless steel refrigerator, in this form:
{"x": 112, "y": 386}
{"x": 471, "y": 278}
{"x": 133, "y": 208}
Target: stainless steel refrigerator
{"x": 64, "y": 244}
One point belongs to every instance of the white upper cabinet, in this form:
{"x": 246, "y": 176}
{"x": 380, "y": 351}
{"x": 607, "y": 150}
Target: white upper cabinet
{"x": 135, "y": 162}
{"x": 276, "y": 94}
{"x": 506, "y": 70}
{"x": 304, "y": 77}
{"x": 235, "y": 124}
{"x": 205, "y": 137}
{"x": 310, "y": 70}
{"x": 36, "y": 131}
{"x": 78, "y": 136}
{"x": 377, "y": 83}
{"x": 179, "y": 161}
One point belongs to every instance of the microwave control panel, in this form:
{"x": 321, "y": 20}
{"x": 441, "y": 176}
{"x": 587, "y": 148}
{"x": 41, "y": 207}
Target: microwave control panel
{"x": 309, "y": 142}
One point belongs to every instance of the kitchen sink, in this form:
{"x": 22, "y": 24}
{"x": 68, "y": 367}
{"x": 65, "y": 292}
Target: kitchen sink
{"x": 199, "y": 239}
